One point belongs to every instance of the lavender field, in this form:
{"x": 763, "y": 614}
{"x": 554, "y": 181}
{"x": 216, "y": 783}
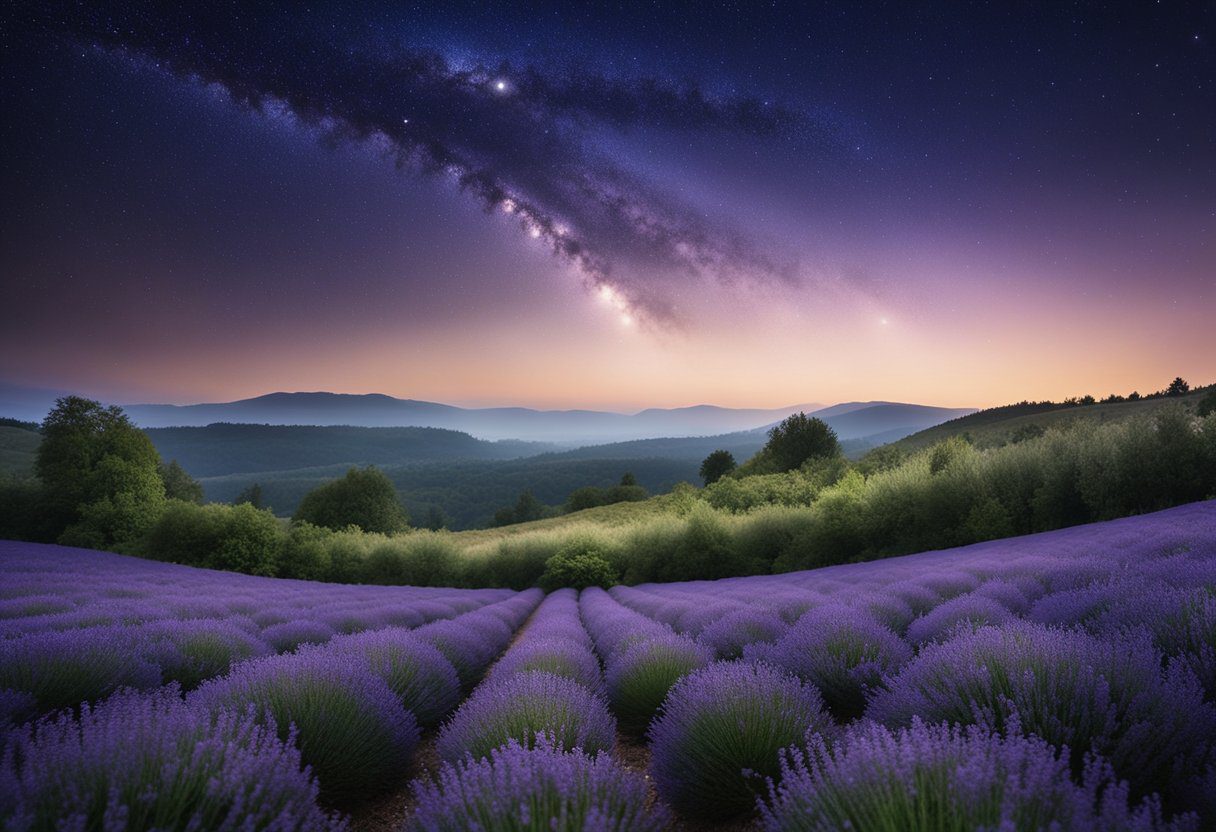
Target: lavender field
{"x": 1064, "y": 681}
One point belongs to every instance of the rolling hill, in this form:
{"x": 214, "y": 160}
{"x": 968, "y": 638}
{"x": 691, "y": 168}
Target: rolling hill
{"x": 998, "y": 425}
{"x": 377, "y": 410}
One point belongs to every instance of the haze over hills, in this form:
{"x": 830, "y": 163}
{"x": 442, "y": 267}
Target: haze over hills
{"x": 493, "y": 423}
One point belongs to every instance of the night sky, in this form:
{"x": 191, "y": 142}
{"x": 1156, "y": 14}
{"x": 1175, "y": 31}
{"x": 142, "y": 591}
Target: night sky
{"x": 621, "y": 207}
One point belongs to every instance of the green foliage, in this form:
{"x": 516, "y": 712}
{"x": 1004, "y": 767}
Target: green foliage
{"x": 179, "y": 485}
{"x": 799, "y": 438}
{"x": 418, "y": 559}
{"x": 100, "y": 474}
{"x": 1207, "y": 404}
{"x": 363, "y": 497}
{"x": 716, "y": 466}
{"x": 217, "y": 536}
{"x": 251, "y": 495}
{"x": 579, "y": 564}
{"x": 882, "y": 458}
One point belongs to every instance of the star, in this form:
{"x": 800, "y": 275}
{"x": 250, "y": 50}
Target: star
{"x": 501, "y": 86}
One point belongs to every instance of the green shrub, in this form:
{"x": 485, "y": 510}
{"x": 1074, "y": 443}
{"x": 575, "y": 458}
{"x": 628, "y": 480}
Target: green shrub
{"x": 363, "y": 497}
{"x": 579, "y": 564}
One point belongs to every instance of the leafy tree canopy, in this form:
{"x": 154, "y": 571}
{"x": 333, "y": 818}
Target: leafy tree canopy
{"x": 364, "y": 497}
{"x": 717, "y": 465}
{"x": 799, "y": 438}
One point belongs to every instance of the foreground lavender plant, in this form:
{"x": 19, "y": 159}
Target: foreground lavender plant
{"x": 1067, "y": 687}
{"x": 944, "y": 779}
{"x": 538, "y": 789}
{"x": 349, "y": 725}
{"x": 151, "y": 762}
{"x": 523, "y": 707}
{"x": 721, "y": 732}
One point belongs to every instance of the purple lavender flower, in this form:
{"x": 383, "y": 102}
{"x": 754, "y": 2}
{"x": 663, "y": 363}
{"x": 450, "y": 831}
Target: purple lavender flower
{"x": 721, "y": 731}
{"x": 63, "y": 669}
{"x": 843, "y": 653}
{"x": 640, "y": 675}
{"x": 538, "y": 789}
{"x": 423, "y": 680}
{"x": 349, "y": 725}
{"x": 190, "y": 652}
{"x": 289, "y": 635}
{"x": 558, "y": 656}
{"x": 732, "y": 632}
{"x": 962, "y": 612}
{"x": 929, "y": 778}
{"x": 522, "y": 707}
{"x": 1107, "y": 696}
{"x": 149, "y": 761}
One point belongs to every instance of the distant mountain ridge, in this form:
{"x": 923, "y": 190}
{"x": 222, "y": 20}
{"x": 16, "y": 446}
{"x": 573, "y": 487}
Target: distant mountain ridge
{"x": 492, "y": 423}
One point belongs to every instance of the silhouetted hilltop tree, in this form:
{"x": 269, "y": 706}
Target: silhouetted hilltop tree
{"x": 799, "y": 438}
{"x": 717, "y": 465}
{"x": 364, "y": 497}
{"x": 1178, "y": 387}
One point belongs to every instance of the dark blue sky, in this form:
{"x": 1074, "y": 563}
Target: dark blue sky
{"x": 617, "y": 205}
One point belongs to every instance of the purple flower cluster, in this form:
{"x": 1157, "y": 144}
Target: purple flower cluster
{"x": 473, "y": 640}
{"x": 547, "y": 685}
{"x": 150, "y": 761}
{"x": 931, "y": 777}
{"x": 1111, "y": 697}
{"x": 721, "y": 732}
{"x": 348, "y": 723}
{"x": 541, "y": 788}
{"x": 842, "y": 652}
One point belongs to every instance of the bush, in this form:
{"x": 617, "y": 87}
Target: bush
{"x": 721, "y": 732}
{"x": 363, "y": 497}
{"x": 423, "y": 680}
{"x": 931, "y": 778}
{"x": 965, "y": 611}
{"x": 238, "y": 538}
{"x": 560, "y": 656}
{"x": 563, "y": 792}
{"x": 288, "y": 635}
{"x": 841, "y": 651}
{"x": 800, "y": 438}
{"x": 730, "y": 633}
{"x": 417, "y": 559}
{"x": 579, "y": 564}
{"x": 149, "y": 761}
{"x": 190, "y": 652}
{"x": 640, "y": 675}
{"x": 349, "y": 726}
{"x": 524, "y": 707}
{"x": 62, "y": 669}
{"x": 1108, "y": 696}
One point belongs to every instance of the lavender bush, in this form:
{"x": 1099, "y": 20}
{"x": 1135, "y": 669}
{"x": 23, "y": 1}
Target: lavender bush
{"x": 151, "y": 762}
{"x": 349, "y": 725}
{"x": 537, "y": 789}
{"x": 523, "y": 707}
{"x": 721, "y": 732}
{"x": 1067, "y": 687}
{"x": 935, "y": 778}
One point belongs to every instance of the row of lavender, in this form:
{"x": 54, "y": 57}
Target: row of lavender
{"x": 265, "y": 744}
{"x": 1066, "y": 678}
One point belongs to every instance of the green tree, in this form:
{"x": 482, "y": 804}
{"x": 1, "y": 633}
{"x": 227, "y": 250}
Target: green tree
{"x": 1178, "y": 387}
{"x": 589, "y": 496}
{"x": 716, "y": 466}
{"x": 436, "y": 519}
{"x": 179, "y": 485}
{"x": 628, "y": 479}
{"x": 364, "y": 497}
{"x": 527, "y": 508}
{"x": 799, "y": 438}
{"x": 250, "y": 494}
{"x": 100, "y": 474}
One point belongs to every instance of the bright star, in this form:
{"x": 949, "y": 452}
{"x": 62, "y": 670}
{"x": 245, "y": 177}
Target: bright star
{"x": 501, "y": 86}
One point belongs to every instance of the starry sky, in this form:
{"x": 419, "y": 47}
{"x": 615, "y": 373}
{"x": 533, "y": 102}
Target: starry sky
{"x": 611, "y": 206}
